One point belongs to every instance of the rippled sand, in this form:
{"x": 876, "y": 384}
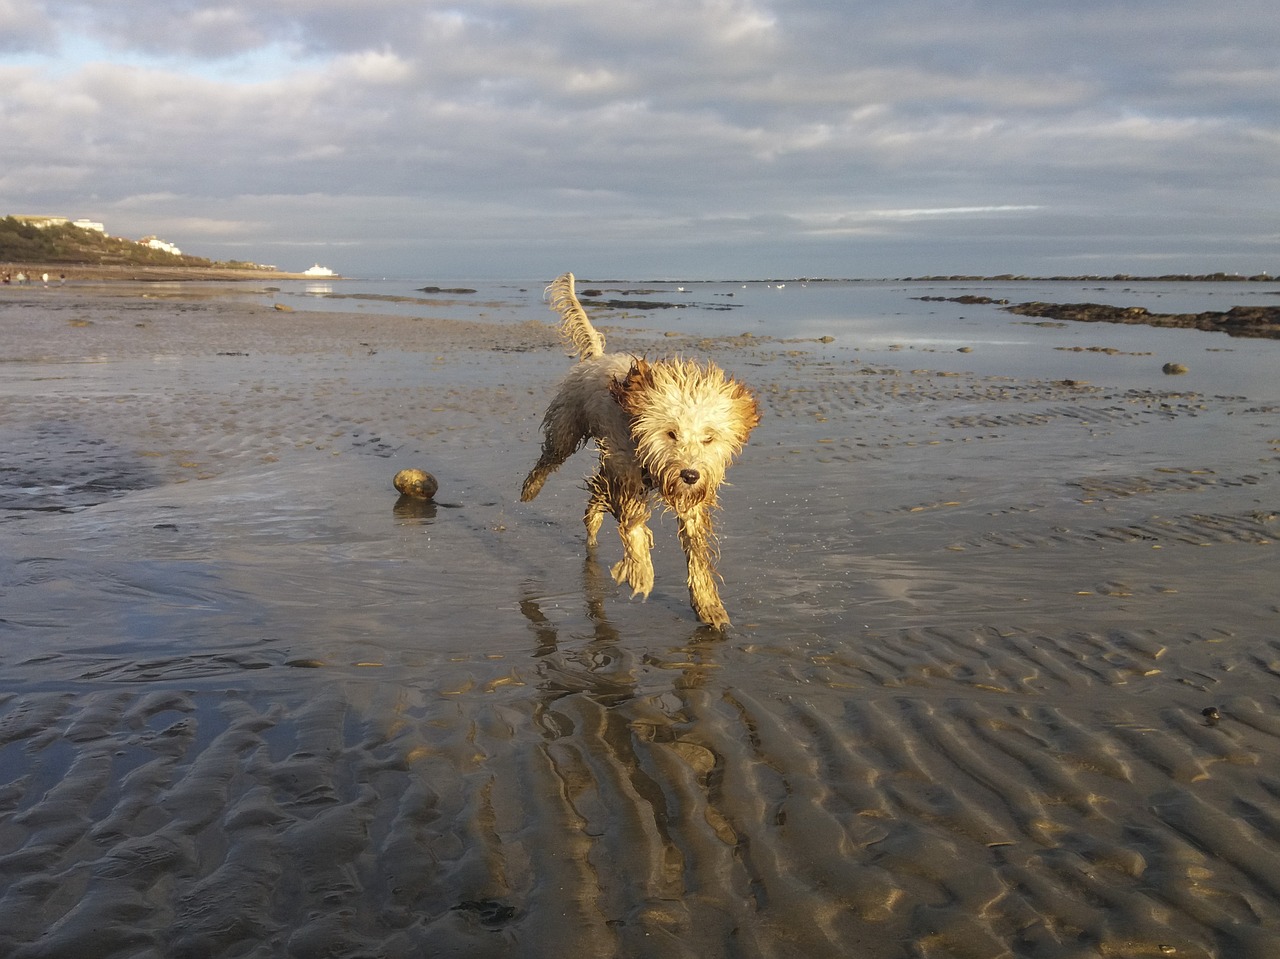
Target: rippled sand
{"x": 253, "y": 705}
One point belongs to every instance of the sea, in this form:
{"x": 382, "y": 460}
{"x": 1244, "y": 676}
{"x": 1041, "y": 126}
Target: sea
{"x": 873, "y": 316}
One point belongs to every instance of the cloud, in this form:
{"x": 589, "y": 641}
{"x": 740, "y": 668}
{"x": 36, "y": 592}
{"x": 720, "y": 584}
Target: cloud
{"x": 789, "y": 131}
{"x": 24, "y": 28}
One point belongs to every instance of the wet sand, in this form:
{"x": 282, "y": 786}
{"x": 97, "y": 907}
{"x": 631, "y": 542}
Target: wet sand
{"x": 251, "y": 704}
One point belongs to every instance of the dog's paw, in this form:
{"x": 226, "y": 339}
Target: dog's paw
{"x": 639, "y": 578}
{"x": 713, "y": 616}
{"x": 532, "y": 486}
{"x": 592, "y": 523}
{"x": 709, "y": 608}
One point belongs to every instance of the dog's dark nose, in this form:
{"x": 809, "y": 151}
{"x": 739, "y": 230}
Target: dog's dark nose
{"x": 689, "y": 476}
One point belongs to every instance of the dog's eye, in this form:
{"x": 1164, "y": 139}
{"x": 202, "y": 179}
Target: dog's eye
{"x": 708, "y": 440}
{"x": 671, "y": 434}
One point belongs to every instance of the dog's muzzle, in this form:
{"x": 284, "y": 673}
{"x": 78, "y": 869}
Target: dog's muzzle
{"x": 690, "y": 476}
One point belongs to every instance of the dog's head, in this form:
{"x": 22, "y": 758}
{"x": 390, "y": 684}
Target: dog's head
{"x": 688, "y": 421}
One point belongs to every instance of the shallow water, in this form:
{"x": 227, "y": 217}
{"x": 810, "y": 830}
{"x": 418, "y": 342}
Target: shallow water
{"x": 253, "y": 704}
{"x": 879, "y": 316}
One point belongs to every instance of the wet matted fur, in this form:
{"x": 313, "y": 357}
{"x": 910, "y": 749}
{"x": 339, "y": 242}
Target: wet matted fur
{"x": 665, "y": 428}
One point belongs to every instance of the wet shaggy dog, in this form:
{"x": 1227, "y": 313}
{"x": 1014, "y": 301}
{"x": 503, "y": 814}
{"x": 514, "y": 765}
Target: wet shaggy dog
{"x": 665, "y": 428}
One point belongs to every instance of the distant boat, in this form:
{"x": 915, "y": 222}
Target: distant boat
{"x": 319, "y": 270}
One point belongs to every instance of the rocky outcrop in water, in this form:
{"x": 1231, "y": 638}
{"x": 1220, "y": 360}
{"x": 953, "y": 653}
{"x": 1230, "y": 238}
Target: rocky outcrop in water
{"x": 967, "y": 298}
{"x": 1257, "y": 321}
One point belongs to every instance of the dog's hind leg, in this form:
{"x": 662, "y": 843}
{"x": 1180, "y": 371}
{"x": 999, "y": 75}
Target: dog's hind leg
{"x": 698, "y": 540}
{"x": 532, "y": 485}
{"x": 563, "y": 436}
{"x": 597, "y": 506}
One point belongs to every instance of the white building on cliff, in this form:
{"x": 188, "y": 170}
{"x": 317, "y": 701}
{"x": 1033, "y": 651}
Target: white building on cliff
{"x": 158, "y": 244}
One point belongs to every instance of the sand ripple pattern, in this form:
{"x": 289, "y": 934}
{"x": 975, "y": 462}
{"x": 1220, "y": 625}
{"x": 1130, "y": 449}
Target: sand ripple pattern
{"x": 929, "y": 792}
{"x": 1004, "y": 681}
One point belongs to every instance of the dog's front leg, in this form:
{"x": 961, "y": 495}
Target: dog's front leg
{"x": 636, "y": 567}
{"x": 698, "y": 540}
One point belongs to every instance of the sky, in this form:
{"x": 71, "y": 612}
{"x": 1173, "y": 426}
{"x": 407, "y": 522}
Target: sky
{"x": 697, "y": 139}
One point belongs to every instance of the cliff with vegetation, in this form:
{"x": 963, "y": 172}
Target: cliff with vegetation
{"x": 65, "y": 244}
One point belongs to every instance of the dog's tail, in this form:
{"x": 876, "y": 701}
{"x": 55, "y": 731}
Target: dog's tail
{"x": 576, "y": 329}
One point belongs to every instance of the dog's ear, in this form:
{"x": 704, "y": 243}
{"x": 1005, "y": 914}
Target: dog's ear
{"x": 628, "y": 389}
{"x": 746, "y": 411}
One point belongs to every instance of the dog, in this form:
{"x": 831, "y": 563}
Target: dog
{"x": 666, "y": 428}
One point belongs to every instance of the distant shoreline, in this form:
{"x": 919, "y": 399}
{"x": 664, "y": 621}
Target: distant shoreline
{"x": 150, "y": 274}
{"x": 1100, "y": 278}
{"x": 142, "y": 273}
{"x": 960, "y": 278}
